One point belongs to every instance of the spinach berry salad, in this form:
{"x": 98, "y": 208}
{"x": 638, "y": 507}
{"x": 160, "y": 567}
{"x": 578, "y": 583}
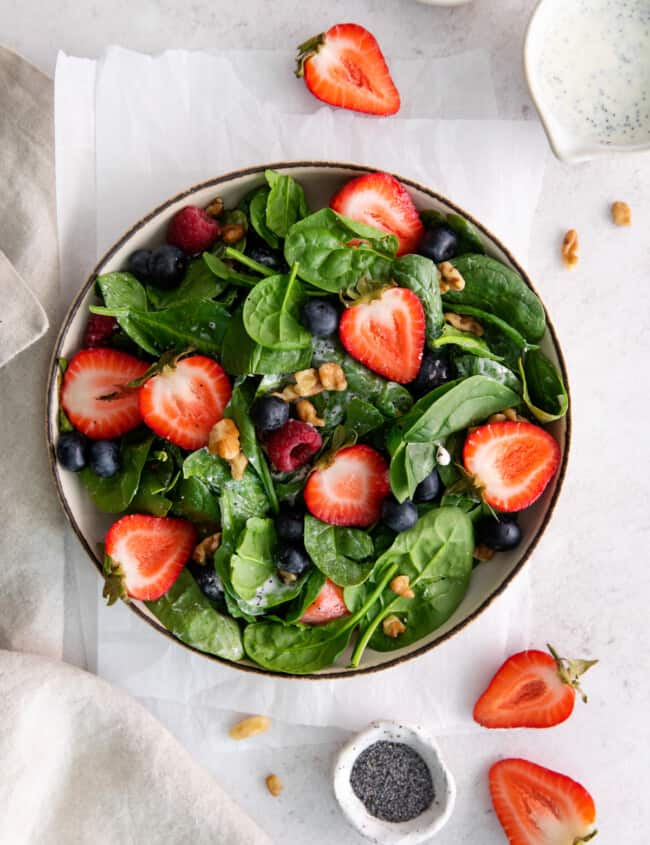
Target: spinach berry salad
{"x": 310, "y": 426}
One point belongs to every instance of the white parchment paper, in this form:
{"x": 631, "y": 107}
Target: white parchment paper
{"x": 147, "y": 127}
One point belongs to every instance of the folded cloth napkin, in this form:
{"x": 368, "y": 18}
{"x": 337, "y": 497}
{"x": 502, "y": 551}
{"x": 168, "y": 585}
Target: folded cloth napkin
{"x": 82, "y": 762}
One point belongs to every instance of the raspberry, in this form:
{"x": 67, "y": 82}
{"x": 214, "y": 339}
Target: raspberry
{"x": 99, "y": 331}
{"x": 291, "y": 446}
{"x": 192, "y": 230}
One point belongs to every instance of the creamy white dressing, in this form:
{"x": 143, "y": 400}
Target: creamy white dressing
{"x": 595, "y": 69}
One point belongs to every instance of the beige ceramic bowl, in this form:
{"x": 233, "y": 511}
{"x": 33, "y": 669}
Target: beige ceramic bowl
{"x": 320, "y": 180}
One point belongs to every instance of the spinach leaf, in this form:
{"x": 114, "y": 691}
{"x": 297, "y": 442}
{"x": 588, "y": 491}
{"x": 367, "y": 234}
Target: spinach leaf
{"x": 124, "y": 292}
{"x": 491, "y": 321}
{"x": 342, "y": 554}
{"x": 469, "y": 239}
{"x": 436, "y": 554}
{"x": 223, "y": 271}
{"x": 286, "y": 203}
{"x": 257, "y": 212}
{"x": 196, "y": 502}
{"x": 361, "y": 417}
{"x": 114, "y": 495}
{"x": 188, "y": 614}
{"x": 243, "y": 356}
{"x": 272, "y": 313}
{"x": 471, "y": 365}
{"x": 497, "y": 289}
{"x": 467, "y": 341}
{"x": 544, "y": 392}
{"x": 420, "y": 275}
{"x": 320, "y": 245}
{"x": 199, "y": 283}
{"x": 238, "y": 409}
{"x": 310, "y": 590}
{"x": 158, "y": 479}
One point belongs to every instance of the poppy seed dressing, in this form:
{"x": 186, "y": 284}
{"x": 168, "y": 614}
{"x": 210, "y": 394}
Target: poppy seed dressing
{"x": 392, "y": 781}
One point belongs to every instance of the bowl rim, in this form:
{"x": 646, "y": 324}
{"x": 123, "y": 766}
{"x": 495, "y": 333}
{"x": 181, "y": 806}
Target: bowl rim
{"x": 52, "y": 401}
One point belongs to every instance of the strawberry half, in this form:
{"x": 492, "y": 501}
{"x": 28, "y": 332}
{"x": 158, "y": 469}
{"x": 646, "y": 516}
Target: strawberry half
{"x": 537, "y": 806}
{"x": 512, "y": 462}
{"x": 185, "y": 400}
{"x": 95, "y": 396}
{"x": 349, "y": 488}
{"x": 345, "y": 67}
{"x": 386, "y": 333}
{"x": 380, "y": 200}
{"x": 327, "y": 605}
{"x": 532, "y": 689}
{"x": 145, "y": 555}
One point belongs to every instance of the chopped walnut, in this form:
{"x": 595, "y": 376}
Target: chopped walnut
{"x": 288, "y": 393}
{"x": 224, "y": 439}
{"x": 206, "y": 548}
{"x": 215, "y": 208}
{"x": 570, "y": 248}
{"x": 393, "y": 626}
{"x": 307, "y": 382}
{"x": 307, "y": 413}
{"x": 464, "y": 323}
{"x": 400, "y": 585}
{"x": 507, "y": 414}
{"x": 482, "y": 552}
{"x": 621, "y": 214}
{"x": 450, "y": 277}
{"x": 511, "y": 414}
{"x": 232, "y": 233}
{"x": 238, "y": 466}
{"x": 250, "y": 726}
{"x": 495, "y": 418}
{"x": 332, "y": 377}
{"x": 274, "y": 785}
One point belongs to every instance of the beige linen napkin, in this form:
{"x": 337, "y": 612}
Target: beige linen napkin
{"x": 83, "y": 763}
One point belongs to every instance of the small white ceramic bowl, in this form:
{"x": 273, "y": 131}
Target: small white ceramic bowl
{"x": 422, "y": 827}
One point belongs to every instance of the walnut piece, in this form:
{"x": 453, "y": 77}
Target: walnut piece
{"x": 232, "y": 233}
{"x": 393, "y": 626}
{"x": 206, "y": 548}
{"x": 400, "y": 585}
{"x": 464, "y": 323}
{"x": 621, "y": 214}
{"x": 238, "y": 466}
{"x": 311, "y": 382}
{"x": 250, "y": 726}
{"x": 307, "y": 382}
{"x": 215, "y": 208}
{"x": 495, "y": 418}
{"x": 224, "y": 440}
{"x": 450, "y": 277}
{"x": 307, "y": 413}
{"x": 332, "y": 377}
{"x": 570, "y": 248}
{"x": 482, "y": 552}
{"x": 274, "y": 785}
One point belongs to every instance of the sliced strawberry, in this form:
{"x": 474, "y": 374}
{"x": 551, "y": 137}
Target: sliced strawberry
{"x": 345, "y": 67}
{"x": 380, "y": 200}
{"x": 512, "y": 462}
{"x": 386, "y": 333}
{"x": 185, "y": 400}
{"x": 327, "y": 605}
{"x": 146, "y": 555}
{"x": 537, "y": 806}
{"x": 94, "y": 393}
{"x": 349, "y": 489}
{"x": 532, "y": 689}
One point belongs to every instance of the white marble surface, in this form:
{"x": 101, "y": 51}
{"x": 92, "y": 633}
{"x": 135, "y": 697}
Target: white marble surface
{"x": 590, "y": 575}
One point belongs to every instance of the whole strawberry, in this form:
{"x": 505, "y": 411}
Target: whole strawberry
{"x": 193, "y": 230}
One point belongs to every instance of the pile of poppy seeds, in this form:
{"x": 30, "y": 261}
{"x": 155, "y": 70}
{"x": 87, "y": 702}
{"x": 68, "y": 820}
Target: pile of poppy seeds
{"x": 393, "y": 781}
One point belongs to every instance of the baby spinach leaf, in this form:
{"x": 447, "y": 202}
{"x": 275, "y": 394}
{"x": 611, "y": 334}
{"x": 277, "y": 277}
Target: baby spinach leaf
{"x": 223, "y": 271}
{"x": 158, "y": 479}
{"x": 257, "y": 212}
{"x": 199, "y": 283}
{"x": 361, "y": 417}
{"x": 497, "y": 289}
{"x": 195, "y": 501}
{"x": 286, "y": 203}
{"x": 471, "y": 365}
{"x": 491, "y": 321}
{"x": 114, "y": 495}
{"x": 342, "y": 554}
{"x": 420, "y": 275}
{"x": 243, "y": 356}
{"x": 123, "y": 292}
{"x": 544, "y": 392}
{"x": 320, "y": 245}
{"x": 467, "y": 341}
{"x": 436, "y": 554}
{"x": 190, "y": 616}
{"x": 272, "y": 313}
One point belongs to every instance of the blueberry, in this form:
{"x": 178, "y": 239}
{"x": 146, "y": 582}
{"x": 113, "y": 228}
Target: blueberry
{"x": 439, "y": 243}
{"x": 140, "y": 264}
{"x": 71, "y": 451}
{"x": 429, "y": 488}
{"x": 263, "y": 254}
{"x": 290, "y": 524}
{"x": 399, "y": 516}
{"x": 168, "y": 264}
{"x": 499, "y": 534}
{"x": 320, "y": 317}
{"x": 270, "y": 413}
{"x": 208, "y": 581}
{"x": 436, "y": 369}
{"x": 293, "y": 561}
{"x": 104, "y": 457}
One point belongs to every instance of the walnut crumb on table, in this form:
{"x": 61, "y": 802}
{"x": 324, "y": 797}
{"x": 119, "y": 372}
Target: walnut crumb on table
{"x": 621, "y": 213}
{"x": 570, "y": 248}
{"x": 274, "y": 785}
{"x": 250, "y": 726}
